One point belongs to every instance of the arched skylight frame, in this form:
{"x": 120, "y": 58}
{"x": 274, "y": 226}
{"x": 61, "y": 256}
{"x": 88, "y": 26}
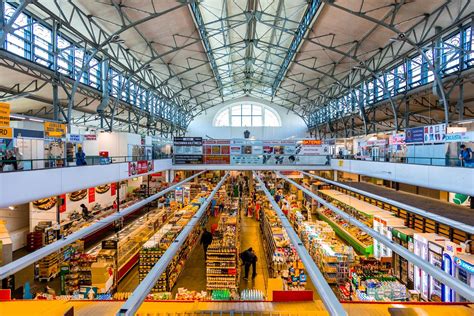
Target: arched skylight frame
{"x": 247, "y": 114}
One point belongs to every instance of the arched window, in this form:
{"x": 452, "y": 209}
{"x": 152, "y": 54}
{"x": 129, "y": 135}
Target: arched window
{"x": 247, "y": 115}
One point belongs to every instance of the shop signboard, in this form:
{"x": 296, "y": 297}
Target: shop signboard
{"x": 54, "y": 130}
{"x": 397, "y": 139}
{"x": 74, "y": 138}
{"x": 434, "y": 133}
{"x": 312, "y": 150}
{"x": 414, "y": 135}
{"x": 90, "y": 137}
{"x": 187, "y": 159}
{"x": 91, "y": 195}
{"x": 217, "y": 159}
{"x": 460, "y": 137}
{"x": 140, "y": 167}
{"x": 4, "y": 114}
{"x": 216, "y": 151}
{"x": 246, "y": 160}
{"x": 330, "y": 141}
{"x": 6, "y": 132}
{"x": 187, "y": 145}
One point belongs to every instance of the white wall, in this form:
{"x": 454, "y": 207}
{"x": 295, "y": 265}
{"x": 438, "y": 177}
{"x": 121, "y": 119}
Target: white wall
{"x": 292, "y": 125}
{"x": 23, "y": 187}
{"x": 116, "y": 143}
{"x": 16, "y": 223}
{"x": 451, "y": 179}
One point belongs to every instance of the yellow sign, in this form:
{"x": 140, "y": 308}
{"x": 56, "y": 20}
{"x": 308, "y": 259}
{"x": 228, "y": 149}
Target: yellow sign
{"x": 4, "y": 114}
{"x": 54, "y": 130}
{"x": 6, "y": 132}
{"x": 341, "y": 163}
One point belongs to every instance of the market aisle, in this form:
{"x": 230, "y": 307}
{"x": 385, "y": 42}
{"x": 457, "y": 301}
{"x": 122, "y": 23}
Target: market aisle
{"x": 193, "y": 276}
{"x": 250, "y": 237}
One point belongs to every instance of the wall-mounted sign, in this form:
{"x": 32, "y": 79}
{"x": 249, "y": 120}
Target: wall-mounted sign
{"x": 54, "y": 130}
{"x": 6, "y": 132}
{"x": 4, "y": 114}
{"x": 91, "y": 195}
{"x": 464, "y": 265}
{"x": 74, "y": 138}
{"x": 415, "y": 135}
{"x": 90, "y": 137}
{"x": 397, "y": 139}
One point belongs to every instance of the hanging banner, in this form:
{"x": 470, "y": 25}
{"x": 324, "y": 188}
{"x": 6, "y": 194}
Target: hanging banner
{"x": 434, "y": 133}
{"x": 4, "y": 114}
{"x": 91, "y": 195}
{"x": 415, "y": 135}
{"x": 54, "y": 130}
{"x": 113, "y": 188}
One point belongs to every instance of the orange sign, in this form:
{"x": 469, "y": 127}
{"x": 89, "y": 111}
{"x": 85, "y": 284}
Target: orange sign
{"x": 54, "y": 130}
{"x": 4, "y": 114}
{"x": 312, "y": 142}
{"x": 6, "y": 132}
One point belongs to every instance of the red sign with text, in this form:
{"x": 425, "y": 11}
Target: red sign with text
{"x": 113, "y": 188}
{"x": 62, "y": 203}
{"x": 91, "y": 195}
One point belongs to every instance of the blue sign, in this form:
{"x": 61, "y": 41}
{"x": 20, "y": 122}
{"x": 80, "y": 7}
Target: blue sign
{"x": 74, "y": 138}
{"x": 464, "y": 265}
{"x": 414, "y": 135}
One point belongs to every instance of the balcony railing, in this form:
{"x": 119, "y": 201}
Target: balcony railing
{"x": 430, "y": 161}
{"x": 39, "y": 164}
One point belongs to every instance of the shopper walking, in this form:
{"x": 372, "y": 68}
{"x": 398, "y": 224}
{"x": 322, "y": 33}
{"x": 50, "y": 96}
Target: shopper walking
{"x": 249, "y": 258}
{"x": 206, "y": 240}
{"x": 85, "y": 212}
{"x": 466, "y": 156}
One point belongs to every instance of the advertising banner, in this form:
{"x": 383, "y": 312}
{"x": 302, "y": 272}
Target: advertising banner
{"x": 54, "y": 130}
{"x": 188, "y": 159}
{"x": 113, "y": 188}
{"x": 216, "y": 151}
{"x": 435, "y": 133}
{"x": 414, "y": 135}
{"x": 397, "y": 139}
{"x": 4, "y": 114}
{"x": 140, "y": 167}
{"x": 217, "y": 159}
{"x": 459, "y": 137}
{"x": 312, "y": 150}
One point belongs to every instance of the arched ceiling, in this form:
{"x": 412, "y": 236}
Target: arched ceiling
{"x": 295, "y": 53}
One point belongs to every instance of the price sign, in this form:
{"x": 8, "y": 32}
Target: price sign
{"x": 4, "y": 114}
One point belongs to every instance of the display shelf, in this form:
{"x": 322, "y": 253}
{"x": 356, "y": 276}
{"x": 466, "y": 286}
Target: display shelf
{"x": 222, "y": 253}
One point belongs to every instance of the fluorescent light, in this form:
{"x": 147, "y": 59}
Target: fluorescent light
{"x": 17, "y": 117}
{"x": 11, "y": 208}
{"x": 36, "y": 120}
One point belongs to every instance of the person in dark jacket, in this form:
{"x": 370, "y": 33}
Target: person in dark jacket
{"x": 80, "y": 157}
{"x": 249, "y": 258}
{"x": 206, "y": 240}
{"x": 85, "y": 212}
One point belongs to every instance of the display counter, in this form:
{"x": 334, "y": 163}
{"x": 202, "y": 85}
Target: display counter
{"x": 357, "y": 238}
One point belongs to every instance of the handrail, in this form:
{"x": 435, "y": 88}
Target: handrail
{"x": 53, "y": 163}
{"x": 134, "y": 302}
{"x": 324, "y": 290}
{"x": 29, "y": 259}
{"x": 457, "y": 285}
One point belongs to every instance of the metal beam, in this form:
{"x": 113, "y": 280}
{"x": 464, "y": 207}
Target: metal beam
{"x": 324, "y": 290}
{"x": 305, "y": 25}
{"x": 31, "y": 258}
{"x": 131, "y": 306}
{"x": 455, "y": 284}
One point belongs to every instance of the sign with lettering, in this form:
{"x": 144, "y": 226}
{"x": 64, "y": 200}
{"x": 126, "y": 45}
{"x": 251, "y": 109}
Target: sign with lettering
{"x": 6, "y": 132}
{"x": 4, "y": 114}
{"x": 54, "y": 130}
{"x": 90, "y": 137}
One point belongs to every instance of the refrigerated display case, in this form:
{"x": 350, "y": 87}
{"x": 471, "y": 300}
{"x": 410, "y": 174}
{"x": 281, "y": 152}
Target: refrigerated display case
{"x": 402, "y": 269}
{"x": 464, "y": 271}
{"x": 384, "y": 224}
{"x": 450, "y": 251}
